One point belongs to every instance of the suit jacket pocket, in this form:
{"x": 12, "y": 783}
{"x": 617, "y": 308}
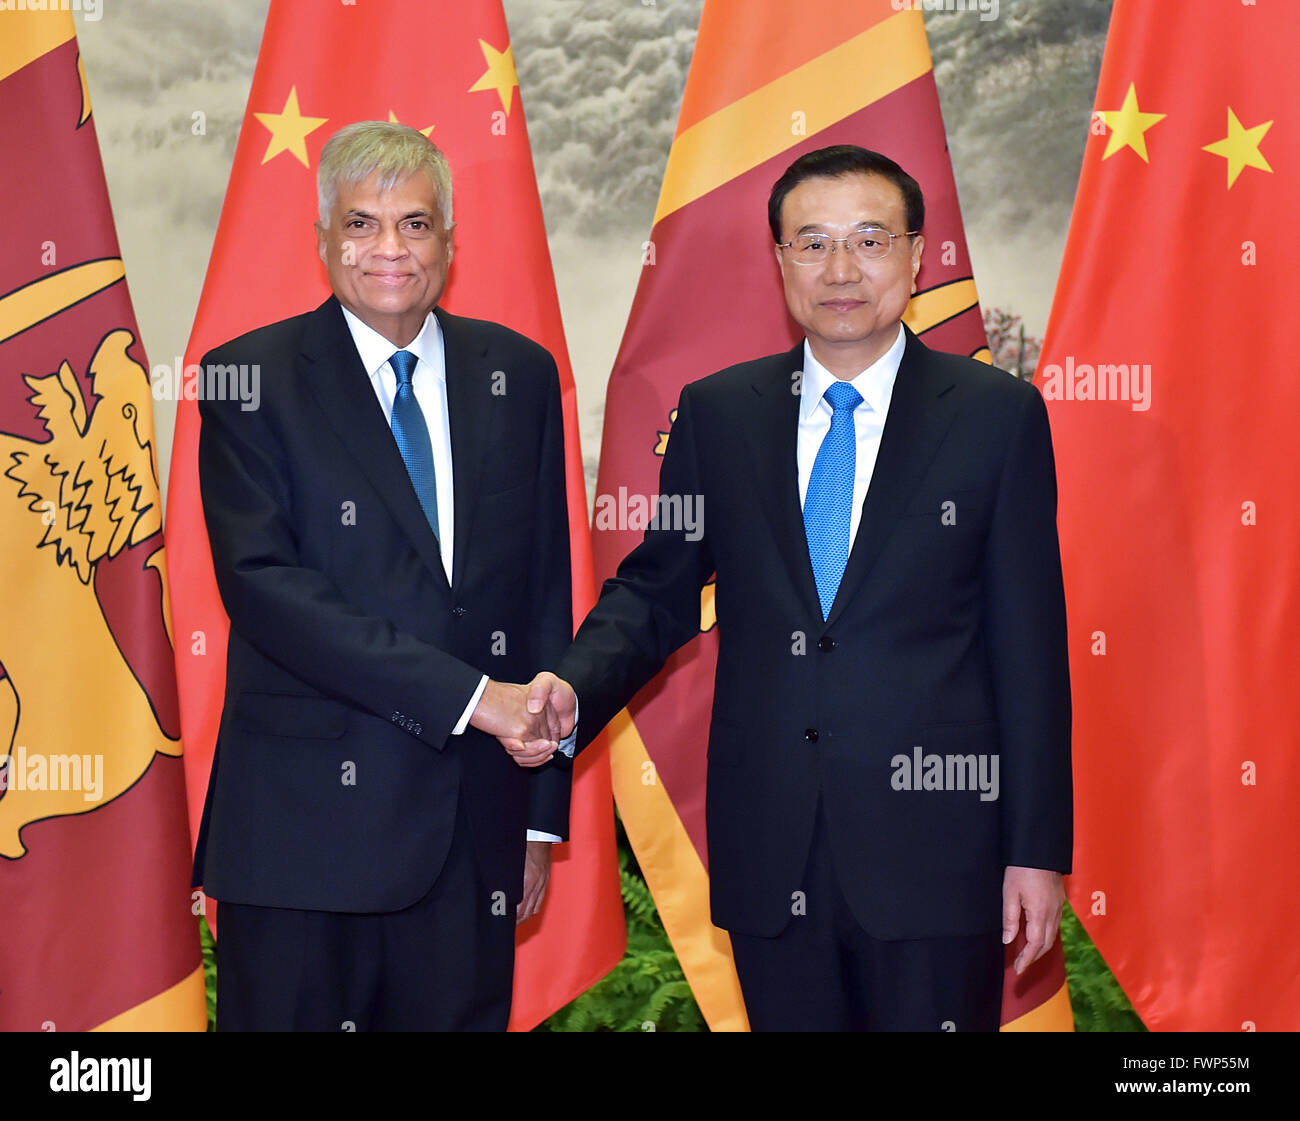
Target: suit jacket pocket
{"x": 290, "y": 714}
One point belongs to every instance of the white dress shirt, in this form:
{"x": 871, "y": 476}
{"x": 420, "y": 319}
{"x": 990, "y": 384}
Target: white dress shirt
{"x": 876, "y": 384}
{"x": 429, "y": 383}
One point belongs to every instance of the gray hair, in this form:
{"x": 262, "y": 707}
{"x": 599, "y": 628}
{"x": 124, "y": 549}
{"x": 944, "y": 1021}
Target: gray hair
{"x": 359, "y": 150}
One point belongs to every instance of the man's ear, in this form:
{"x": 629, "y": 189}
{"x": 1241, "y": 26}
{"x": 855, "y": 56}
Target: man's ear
{"x": 321, "y": 230}
{"x": 918, "y": 247}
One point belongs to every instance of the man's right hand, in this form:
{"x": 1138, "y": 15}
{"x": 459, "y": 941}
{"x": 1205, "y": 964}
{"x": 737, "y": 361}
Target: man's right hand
{"x": 528, "y": 720}
{"x": 556, "y": 696}
{"x": 530, "y": 735}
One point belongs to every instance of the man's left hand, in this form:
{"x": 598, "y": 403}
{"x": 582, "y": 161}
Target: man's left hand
{"x": 1040, "y": 893}
{"x": 537, "y": 872}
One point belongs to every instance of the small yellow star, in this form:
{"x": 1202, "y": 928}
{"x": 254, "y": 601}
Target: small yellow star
{"x": 1128, "y": 126}
{"x": 392, "y": 119}
{"x": 1241, "y": 147}
{"x": 500, "y": 74}
{"x": 289, "y": 129}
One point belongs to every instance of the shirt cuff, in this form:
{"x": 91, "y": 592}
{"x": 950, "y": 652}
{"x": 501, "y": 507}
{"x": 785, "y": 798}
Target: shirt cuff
{"x": 569, "y": 744}
{"x": 538, "y": 835}
{"x": 463, "y": 722}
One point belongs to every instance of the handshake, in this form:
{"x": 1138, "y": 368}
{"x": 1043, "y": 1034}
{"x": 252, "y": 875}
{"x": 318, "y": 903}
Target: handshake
{"x": 529, "y": 720}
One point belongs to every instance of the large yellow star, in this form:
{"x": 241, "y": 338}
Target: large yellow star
{"x": 1241, "y": 147}
{"x": 392, "y": 119}
{"x": 500, "y": 74}
{"x": 289, "y": 129}
{"x": 1128, "y": 126}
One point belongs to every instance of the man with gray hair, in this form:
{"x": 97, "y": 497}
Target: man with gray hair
{"x": 390, "y": 540}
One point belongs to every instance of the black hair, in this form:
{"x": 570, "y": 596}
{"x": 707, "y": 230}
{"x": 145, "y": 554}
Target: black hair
{"x": 845, "y": 159}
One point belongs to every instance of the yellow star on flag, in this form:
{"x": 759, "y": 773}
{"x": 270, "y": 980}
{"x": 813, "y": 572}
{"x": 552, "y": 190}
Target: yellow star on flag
{"x": 289, "y": 129}
{"x": 392, "y": 119}
{"x": 500, "y": 75}
{"x": 1128, "y": 126}
{"x": 1241, "y": 147}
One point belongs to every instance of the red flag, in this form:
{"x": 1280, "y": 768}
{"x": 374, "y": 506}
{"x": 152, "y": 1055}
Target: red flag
{"x": 758, "y": 97}
{"x": 319, "y": 69}
{"x": 1168, "y": 369}
{"x": 98, "y": 931}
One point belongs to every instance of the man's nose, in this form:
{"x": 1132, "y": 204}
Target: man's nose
{"x": 391, "y": 243}
{"x": 842, "y": 265}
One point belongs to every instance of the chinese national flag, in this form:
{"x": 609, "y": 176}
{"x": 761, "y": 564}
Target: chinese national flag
{"x": 1169, "y": 371}
{"x": 758, "y": 96}
{"x": 447, "y": 70}
{"x": 96, "y": 926}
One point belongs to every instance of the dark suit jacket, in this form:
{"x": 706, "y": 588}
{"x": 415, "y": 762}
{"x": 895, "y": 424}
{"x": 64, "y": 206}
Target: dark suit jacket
{"x": 336, "y": 781}
{"x": 947, "y": 636}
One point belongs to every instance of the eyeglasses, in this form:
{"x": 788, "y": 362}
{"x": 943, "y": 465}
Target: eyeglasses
{"x": 868, "y": 244}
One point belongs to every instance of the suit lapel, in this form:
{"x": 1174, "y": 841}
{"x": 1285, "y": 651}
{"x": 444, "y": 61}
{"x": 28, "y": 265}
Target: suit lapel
{"x": 773, "y": 446}
{"x": 334, "y": 375}
{"x": 470, "y": 404}
{"x": 915, "y": 426}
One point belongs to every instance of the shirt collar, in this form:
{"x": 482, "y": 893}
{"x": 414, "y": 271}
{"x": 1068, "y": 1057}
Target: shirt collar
{"x": 375, "y": 350}
{"x": 875, "y": 383}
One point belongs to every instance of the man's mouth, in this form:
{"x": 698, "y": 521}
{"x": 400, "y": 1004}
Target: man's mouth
{"x": 843, "y": 305}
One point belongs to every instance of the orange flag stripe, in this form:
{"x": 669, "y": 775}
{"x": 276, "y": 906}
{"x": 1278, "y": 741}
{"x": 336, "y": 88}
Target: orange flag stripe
{"x": 175, "y": 1009}
{"x": 1054, "y": 1014}
{"x": 37, "y": 33}
{"x": 676, "y": 879}
{"x": 761, "y": 125}
{"x": 768, "y": 50}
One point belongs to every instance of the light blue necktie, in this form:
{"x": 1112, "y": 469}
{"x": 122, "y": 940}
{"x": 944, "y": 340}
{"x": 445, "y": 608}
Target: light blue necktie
{"x": 412, "y": 436}
{"x": 828, "y": 503}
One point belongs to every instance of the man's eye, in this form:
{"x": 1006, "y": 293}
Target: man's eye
{"x": 869, "y": 241}
{"x": 813, "y": 243}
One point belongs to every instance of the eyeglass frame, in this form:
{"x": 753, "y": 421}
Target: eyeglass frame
{"x": 856, "y": 233}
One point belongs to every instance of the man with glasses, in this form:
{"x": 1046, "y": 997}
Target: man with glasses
{"x": 889, "y": 792}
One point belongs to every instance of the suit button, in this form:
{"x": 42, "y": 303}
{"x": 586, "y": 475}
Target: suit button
{"x": 458, "y": 611}
{"x": 826, "y": 645}
{"x": 810, "y": 734}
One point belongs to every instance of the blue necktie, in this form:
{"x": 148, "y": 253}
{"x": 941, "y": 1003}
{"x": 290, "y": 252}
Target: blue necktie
{"x": 412, "y": 436}
{"x": 828, "y": 503}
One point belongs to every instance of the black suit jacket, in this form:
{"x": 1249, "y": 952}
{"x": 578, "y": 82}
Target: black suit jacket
{"x": 336, "y": 780}
{"x": 948, "y": 632}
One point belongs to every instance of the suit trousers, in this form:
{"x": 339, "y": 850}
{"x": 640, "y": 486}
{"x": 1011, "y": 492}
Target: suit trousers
{"x": 446, "y": 963}
{"x": 824, "y": 972}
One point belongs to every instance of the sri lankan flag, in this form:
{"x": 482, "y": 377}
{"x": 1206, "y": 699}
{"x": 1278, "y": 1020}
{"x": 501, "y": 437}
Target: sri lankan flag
{"x": 769, "y": 81}
{"x": 96, "y": 927}
{"x": 1169, "y": 370}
